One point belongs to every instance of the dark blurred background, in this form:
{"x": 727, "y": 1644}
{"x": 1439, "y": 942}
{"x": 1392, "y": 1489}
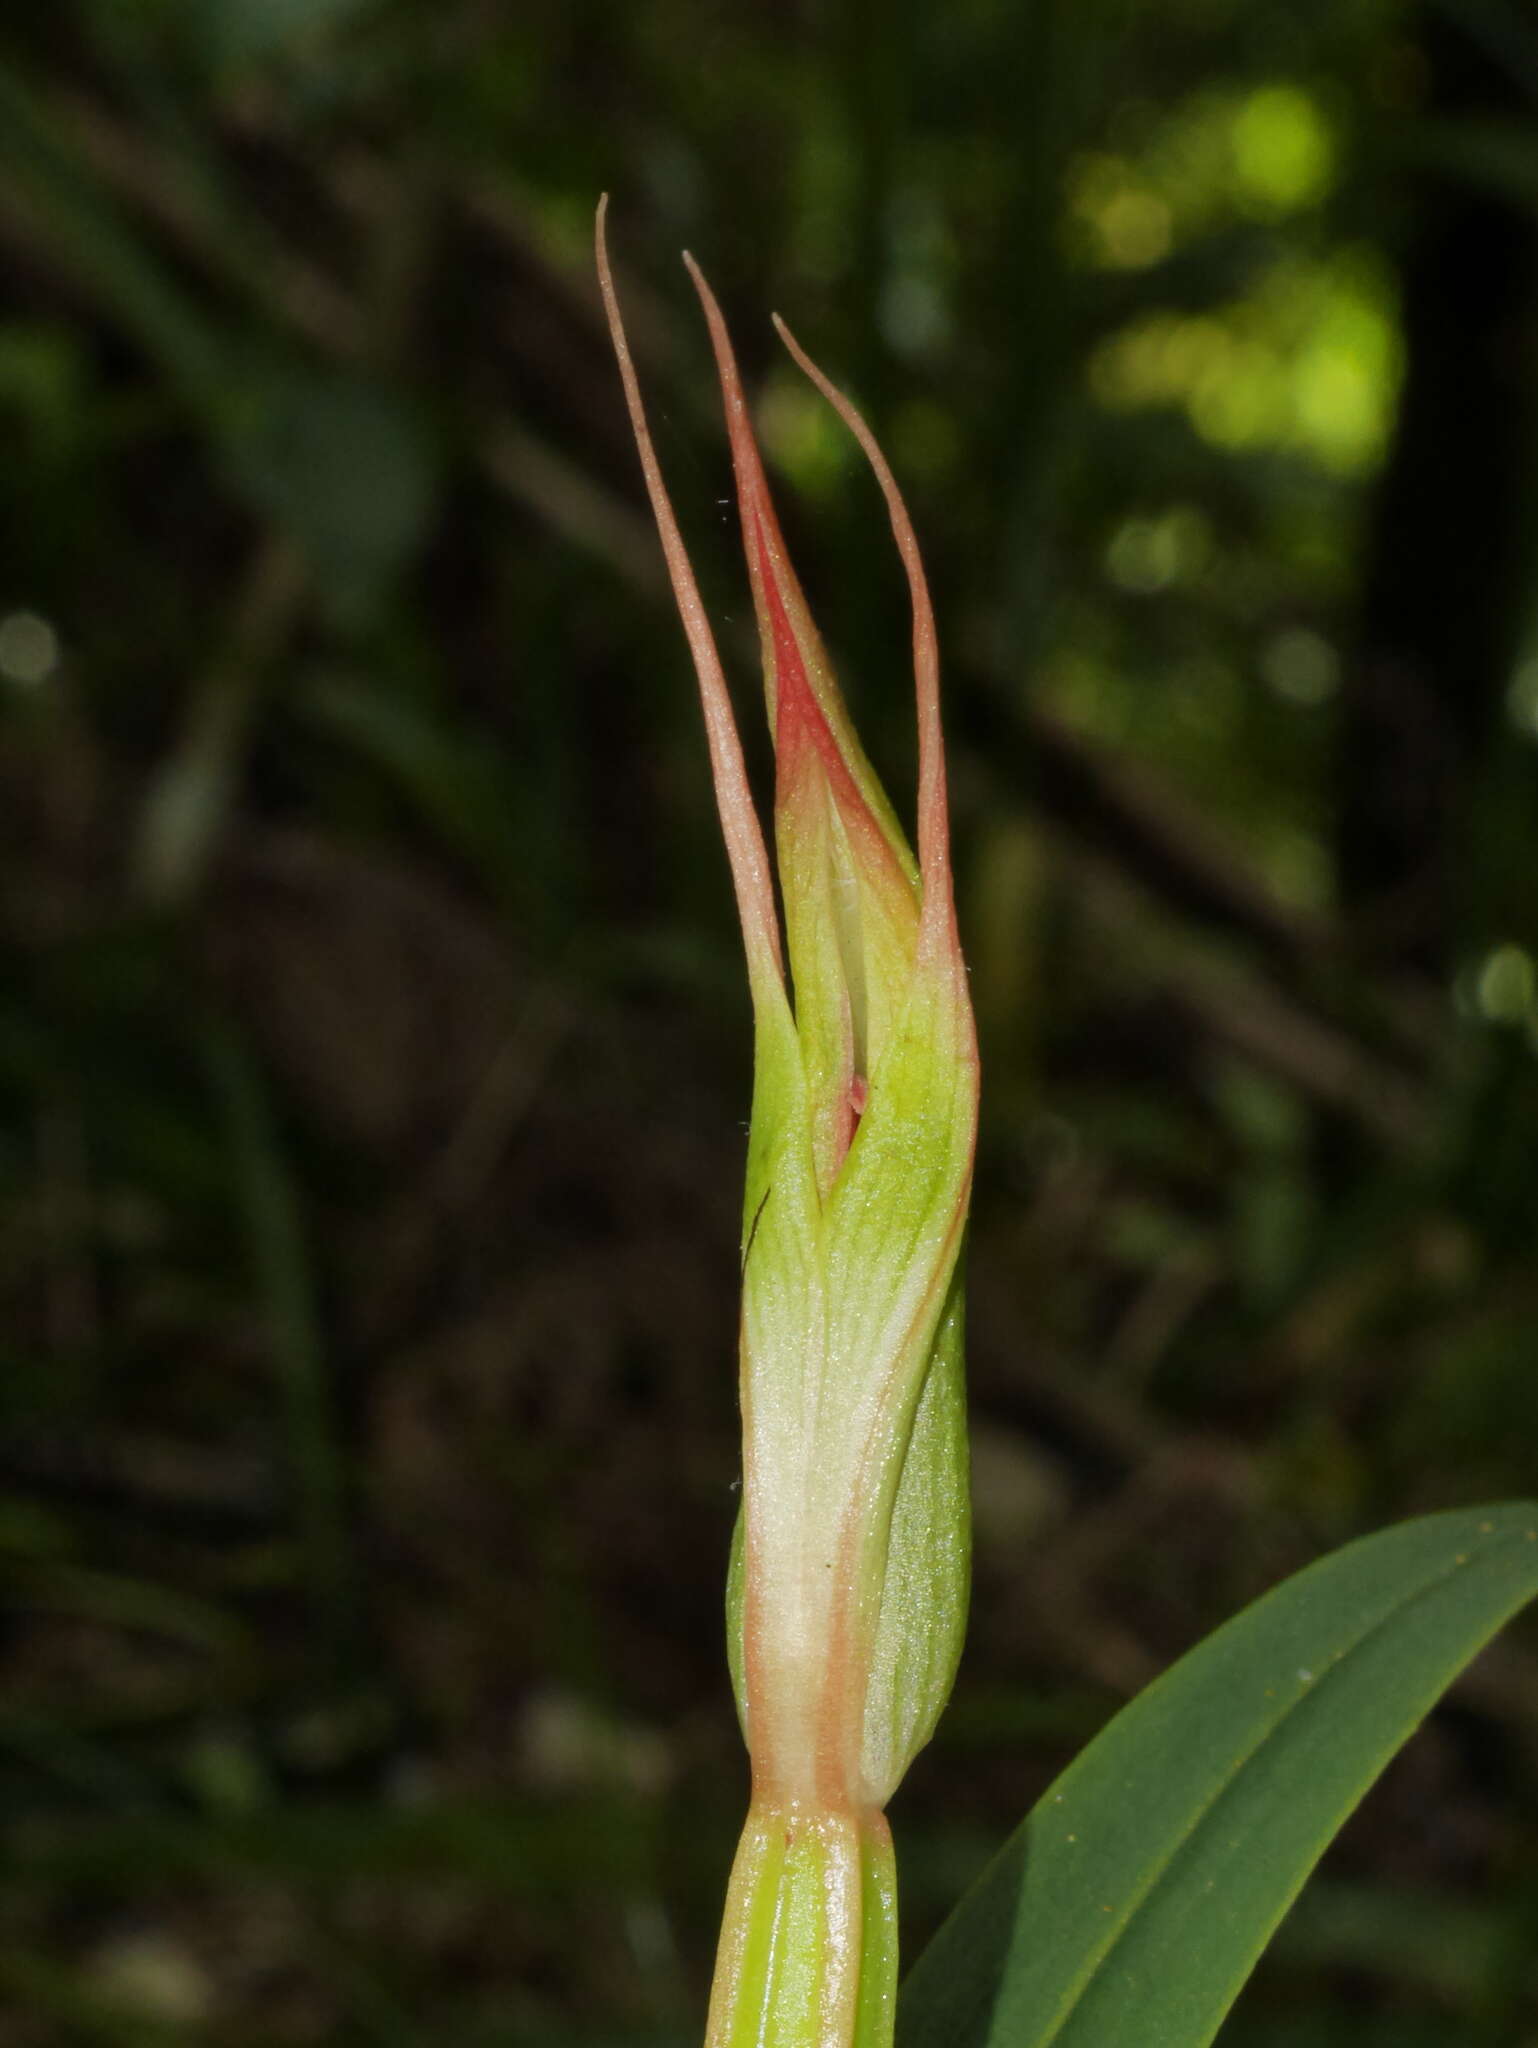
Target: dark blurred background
{"x": 373, "y": 1041}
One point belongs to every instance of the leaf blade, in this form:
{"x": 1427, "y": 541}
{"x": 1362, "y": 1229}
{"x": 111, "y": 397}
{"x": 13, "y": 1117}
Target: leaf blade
{"x": 1135, "y": 1899}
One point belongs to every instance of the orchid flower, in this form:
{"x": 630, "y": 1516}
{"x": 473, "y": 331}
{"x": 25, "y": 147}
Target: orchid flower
{"x": 848, "y": 1583}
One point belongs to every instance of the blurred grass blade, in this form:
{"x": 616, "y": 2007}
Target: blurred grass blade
{"x": 467, "y": 790}
{"x": 1133, "y": 1902}
{"x": 88, "y": 235}
{"x": 195, "y": 789}
{"x": 285, "y": 1286}
{"x": 343, "y": 465}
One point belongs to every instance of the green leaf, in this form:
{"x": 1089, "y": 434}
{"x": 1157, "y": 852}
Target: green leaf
{"x": 343, "y": 466}
{"x": 1133, "y": 1902}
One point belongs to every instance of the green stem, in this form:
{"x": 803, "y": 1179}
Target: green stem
{"x": 808, "y": 1954}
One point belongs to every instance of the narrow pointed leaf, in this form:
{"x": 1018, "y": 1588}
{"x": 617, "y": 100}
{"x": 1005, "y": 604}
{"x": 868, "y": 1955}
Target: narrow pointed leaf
{"x": 1134, "y": 1901}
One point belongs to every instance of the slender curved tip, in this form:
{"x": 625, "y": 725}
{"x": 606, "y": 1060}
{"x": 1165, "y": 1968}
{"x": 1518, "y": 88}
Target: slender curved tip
{"x": 933, "y": 816}
{"x": 752, "y": 873}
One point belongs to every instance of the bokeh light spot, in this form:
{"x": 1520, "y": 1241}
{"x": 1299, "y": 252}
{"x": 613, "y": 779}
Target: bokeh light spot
{"x": 1284, "y": 152}
{"x": 1506, "y": 985}
{"x": 29, "y": 649}
{"x": 802, "y": 434}
{"x": 1146, "y": 555}
{"x": 1522, "y": 698}
{"x": 1301, "y": 666}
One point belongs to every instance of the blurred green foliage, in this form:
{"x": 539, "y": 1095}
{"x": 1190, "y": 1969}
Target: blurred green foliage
{"x": 372, "y": 1044}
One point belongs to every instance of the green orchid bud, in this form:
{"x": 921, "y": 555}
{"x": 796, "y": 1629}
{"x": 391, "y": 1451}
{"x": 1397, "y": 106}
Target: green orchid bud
{"x": 848, "y": 1585}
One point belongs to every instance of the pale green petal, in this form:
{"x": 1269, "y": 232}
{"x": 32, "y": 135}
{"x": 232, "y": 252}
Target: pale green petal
{"x": 923, "y": 1614}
